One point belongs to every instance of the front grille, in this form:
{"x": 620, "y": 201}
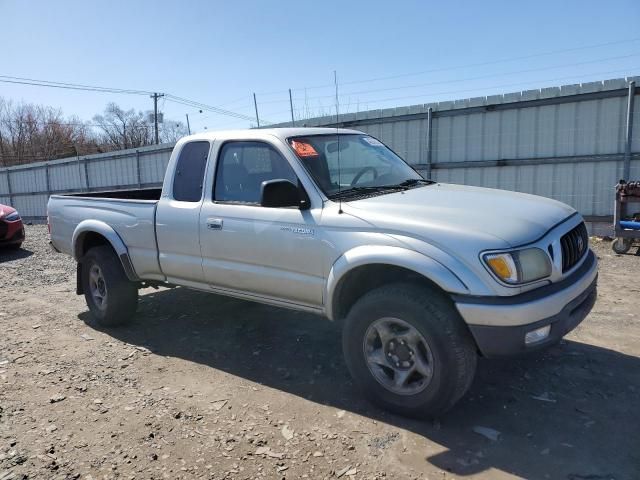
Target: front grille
{"x": 574, "y": 245}
{"x": 4, "y": 228}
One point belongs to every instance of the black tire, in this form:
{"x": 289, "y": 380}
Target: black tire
{"x": 15, "y": 246}
{"x": 121, "y": 298}
{"x": 621, "y": 245}
{"x": 453, "y": 351}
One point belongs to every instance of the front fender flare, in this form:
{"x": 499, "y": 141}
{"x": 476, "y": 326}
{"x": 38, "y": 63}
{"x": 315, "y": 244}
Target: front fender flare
{"x": 396, "y": 256}
{"x": 101, "y": 228}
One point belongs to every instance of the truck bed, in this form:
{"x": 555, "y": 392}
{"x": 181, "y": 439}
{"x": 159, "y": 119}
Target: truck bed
{"x": 130, "y": 213}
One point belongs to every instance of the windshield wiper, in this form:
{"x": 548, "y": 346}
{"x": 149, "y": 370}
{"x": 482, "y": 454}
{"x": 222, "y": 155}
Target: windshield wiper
{"x": 347, "y": 192}
{"x": 415, "y": 181}
{"x": 405, "y": 185}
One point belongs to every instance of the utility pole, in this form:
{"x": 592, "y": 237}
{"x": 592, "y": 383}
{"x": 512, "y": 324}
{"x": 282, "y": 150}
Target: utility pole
{"x": 155, "y": 97}
{"x": 293, "y": 122}
{"x": 255, "y": 104}
{"x": 188, "y": 126}
{"x": 626, "y": 168}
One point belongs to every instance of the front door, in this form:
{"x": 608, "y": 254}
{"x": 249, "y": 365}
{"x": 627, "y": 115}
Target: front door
{"x": 268, "y": 252}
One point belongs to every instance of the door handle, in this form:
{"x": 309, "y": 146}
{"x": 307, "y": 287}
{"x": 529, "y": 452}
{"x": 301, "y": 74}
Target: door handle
{"x": 214, "y": 223}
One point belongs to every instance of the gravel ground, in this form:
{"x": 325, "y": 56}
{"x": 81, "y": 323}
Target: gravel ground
{"x": 201, "y": 386}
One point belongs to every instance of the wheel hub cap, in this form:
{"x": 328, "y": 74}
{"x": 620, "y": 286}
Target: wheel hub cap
{"x": 398, "y": 356}
{"x": 98, "y": 287}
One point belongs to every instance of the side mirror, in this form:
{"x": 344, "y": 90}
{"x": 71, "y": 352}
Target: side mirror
{"x": 281, "y": 193}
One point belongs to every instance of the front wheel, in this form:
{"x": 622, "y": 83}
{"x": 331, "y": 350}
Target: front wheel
{"x": 111, "y": 297}
{"x": 408, "y": 349}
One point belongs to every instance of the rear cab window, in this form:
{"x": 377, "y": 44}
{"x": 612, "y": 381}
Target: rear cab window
{"x": 189, "y": 175}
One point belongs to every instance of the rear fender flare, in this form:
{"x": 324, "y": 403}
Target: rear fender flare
{"x": 106, "y": 231}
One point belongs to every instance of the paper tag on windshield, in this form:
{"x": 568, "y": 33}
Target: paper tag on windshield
{"x": 303, "y": 149}
{"x": 373, "y": 142}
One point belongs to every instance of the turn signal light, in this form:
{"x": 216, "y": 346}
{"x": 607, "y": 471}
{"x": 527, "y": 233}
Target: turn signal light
{"x": 537, "y": 335}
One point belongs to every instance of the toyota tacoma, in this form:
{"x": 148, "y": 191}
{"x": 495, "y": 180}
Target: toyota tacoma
{"x": 424, "y": 276}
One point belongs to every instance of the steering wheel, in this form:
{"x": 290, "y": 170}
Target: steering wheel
{"x": 362, "y": 171}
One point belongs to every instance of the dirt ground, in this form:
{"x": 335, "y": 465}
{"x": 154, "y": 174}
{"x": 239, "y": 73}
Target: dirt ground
{"x": 201, "y": 386}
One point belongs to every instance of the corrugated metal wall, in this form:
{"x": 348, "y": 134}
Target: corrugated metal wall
{"x": 566, "y": 143}
{"x": 30, "y": 185}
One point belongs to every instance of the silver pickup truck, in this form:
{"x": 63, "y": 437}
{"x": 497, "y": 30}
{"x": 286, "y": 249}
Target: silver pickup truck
{"x": 424, "y": 276}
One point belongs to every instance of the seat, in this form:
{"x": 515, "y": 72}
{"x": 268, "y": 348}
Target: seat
{"x": 235, "y": 183}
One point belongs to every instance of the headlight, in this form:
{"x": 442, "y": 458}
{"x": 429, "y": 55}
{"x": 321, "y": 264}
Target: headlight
{"x": 520, "y": 266}
{"x": 12, "y": 217}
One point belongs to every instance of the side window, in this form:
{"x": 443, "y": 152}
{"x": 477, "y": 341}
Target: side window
{"x": 189, "y": 177}
{"x": 243, "y": 166}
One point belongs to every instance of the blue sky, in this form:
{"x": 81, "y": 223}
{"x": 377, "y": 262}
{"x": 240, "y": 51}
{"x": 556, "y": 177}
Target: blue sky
{"x": 219, "y": 53}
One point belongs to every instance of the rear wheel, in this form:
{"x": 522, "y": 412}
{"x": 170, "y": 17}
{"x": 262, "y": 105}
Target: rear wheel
{"x": 408, "y": 349}
{"x": 621, "y": 245}
{"x": 111, "y": 297}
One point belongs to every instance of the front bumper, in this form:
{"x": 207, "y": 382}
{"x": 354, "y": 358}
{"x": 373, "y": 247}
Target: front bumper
{"x": 499, "y": 324}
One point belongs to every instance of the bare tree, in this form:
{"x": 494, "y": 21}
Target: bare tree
{"x": 172, "y": 131}
{"x": 122, "y": 129}
{"x": 30, "y": 133}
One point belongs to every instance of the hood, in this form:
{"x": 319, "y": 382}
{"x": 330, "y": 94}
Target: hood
{"x": 451, "y": 214}
{"x": 6, "y": 210}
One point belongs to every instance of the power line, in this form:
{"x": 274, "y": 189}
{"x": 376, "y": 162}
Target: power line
{"x": 190, "y": 103}
{"x": 94, "y": 88}
{"x": 456, "y": 67}
{"x": 231, "y": 102}
{"x": 493, "y": 62}
{"x": 481, "y": 77}
{"x": 431, "y": 94}
{"x": 203, "y": 106}
{"x": 498, "y": 86}
{"x": 69, "y": 86}
{"x": 458, "y": 80}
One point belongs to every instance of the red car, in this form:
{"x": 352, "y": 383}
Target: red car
{"x": 11, "y": 228}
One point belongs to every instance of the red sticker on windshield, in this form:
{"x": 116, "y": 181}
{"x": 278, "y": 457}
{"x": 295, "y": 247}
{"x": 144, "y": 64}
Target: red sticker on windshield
{"x": 303, "y": 149}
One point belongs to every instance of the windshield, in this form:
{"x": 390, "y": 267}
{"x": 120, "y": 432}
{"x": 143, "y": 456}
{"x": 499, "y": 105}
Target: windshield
{"x": 349, "y": 163}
